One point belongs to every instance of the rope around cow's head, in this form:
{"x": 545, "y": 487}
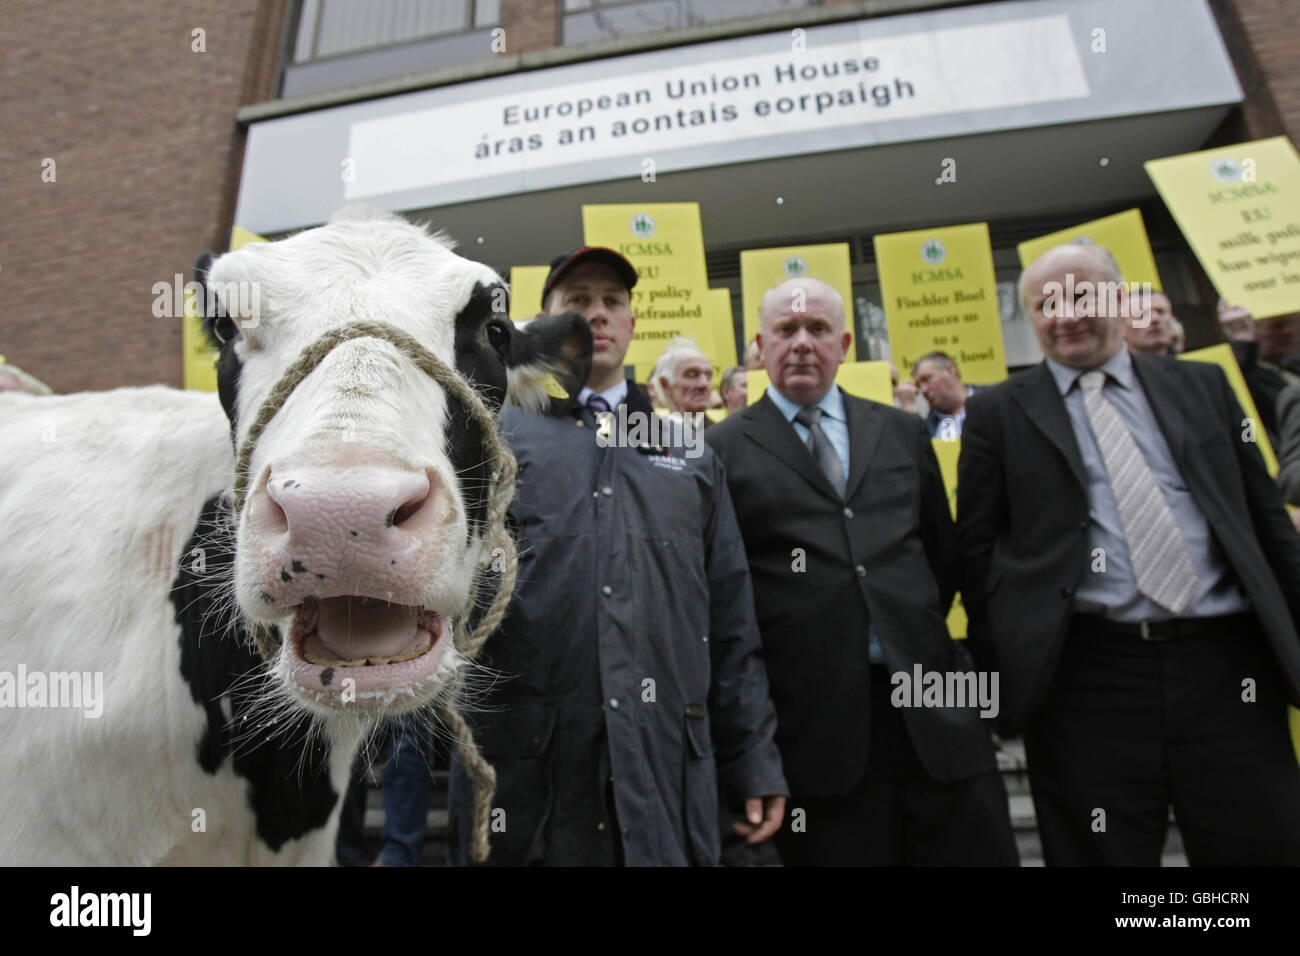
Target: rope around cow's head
{"x": 495, "y": 535}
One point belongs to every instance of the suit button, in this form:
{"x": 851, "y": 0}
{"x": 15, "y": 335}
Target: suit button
{"x": 600, "y": 825}
{"x": 607, "y": 490}
{"x": 607, "y": 590}
{"x": 848, "y": 513}
{"x": 613, "y": 703}
{"x": 860, "y": 571}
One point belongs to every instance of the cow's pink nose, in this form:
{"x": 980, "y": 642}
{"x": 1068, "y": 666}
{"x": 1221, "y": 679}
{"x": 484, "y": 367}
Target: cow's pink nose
{"x": 334, "y": 524}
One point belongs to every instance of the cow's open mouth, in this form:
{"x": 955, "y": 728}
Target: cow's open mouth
{"x": 364, "y": 646}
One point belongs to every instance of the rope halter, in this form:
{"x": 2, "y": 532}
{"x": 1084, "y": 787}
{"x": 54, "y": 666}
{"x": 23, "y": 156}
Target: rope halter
{"x": 495, "y": 533}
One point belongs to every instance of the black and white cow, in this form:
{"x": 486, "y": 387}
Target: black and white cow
{"x": 356, "y": 544}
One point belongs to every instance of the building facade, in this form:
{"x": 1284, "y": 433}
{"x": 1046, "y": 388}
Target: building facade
{"x": 139, "y": 133}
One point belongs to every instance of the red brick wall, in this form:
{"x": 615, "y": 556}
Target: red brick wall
{"x": 530, "y": 25}
{"x": 1271, "y": 30}
{"x": 146, "y": 152}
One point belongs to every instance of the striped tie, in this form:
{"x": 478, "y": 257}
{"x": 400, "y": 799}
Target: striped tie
{"x": 820, "y": 446}
{"x": 1161, "y": 566}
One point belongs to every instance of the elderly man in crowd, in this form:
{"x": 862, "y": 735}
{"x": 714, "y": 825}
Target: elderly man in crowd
{"x": 630, "y": 657}
{"x": 939, "y": 380}
{"x": 1133, "y": 574}
{"x": 683, "y": 378}
{"x": 735, "y": 388}
{"x": 1152, "y": 328}
{"x": 854, "y": 561}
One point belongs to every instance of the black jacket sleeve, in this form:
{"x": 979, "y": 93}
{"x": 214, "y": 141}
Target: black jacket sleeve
{"x": 981, "y": 516}
{"x": 1273, "y": 528}
{"x": 740, "y": 709}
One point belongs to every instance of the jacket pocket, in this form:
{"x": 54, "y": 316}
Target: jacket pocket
{"x": 700, "y": 788}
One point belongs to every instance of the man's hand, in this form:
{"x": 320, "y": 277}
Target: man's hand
{"x": 905, "y": 391}
{"x": 765, "y": 815}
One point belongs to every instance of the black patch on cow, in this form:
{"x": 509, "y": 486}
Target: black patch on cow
{"x": 222, "y": 332}
{"x": 482, "y": 359}
{"x": 482, "y": 354}
{"x": 327, "y": 677}
{"x": 285, "y": 576}
{"x": 298, "y": 568}
{"x": 487, "y": 345}
{"x": 290, "y": 792}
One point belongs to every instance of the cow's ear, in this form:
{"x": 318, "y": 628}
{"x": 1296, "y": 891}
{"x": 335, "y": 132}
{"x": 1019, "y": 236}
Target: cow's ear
{"x": 549, "y": 361}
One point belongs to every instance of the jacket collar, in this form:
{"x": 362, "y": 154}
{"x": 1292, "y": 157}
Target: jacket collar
{"x": 768, "y": 428}
{"x": 1038, "y": 393}
{"x": 635, "y": 401}
{"x": 1039, "y": 396}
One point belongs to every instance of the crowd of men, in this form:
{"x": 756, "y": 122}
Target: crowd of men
{"x": 754, "y": 631}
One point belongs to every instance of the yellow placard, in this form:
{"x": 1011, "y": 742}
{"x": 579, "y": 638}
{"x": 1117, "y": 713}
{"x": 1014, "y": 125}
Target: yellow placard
{"x": 1239, "y": 209}
{"x": 940, "y": 292}
{"x": 665, "y": 244}
{"x": 721, "y": 348}
{"x": 948, "y": 450}
{"x": 870, "y": 380}
{"x": 198, "y": 357}
{"x": 1221, "y": 355}
{"x": 1124, "y": 234}
{"x": 240, "y": 237}
{"x": 761, "y": 269}
{"x": 526, "y": 285}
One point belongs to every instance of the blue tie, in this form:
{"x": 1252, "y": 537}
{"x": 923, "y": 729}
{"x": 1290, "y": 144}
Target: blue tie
{"x": 597, "y": 403}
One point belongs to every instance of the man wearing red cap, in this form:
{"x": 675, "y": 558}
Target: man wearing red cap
{"x": 629, "y": 662}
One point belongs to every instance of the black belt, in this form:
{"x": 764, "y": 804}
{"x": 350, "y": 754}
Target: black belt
{"x": 1174, "y": 629}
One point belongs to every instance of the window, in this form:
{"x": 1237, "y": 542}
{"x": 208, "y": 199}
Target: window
{"x": 334, "y": 27}
{"x": 339, "y": 43}
{"x": 588, "y": 20}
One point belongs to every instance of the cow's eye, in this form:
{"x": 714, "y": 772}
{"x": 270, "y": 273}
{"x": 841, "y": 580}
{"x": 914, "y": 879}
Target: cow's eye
{"x": 498, "y": 333}
{"x": 224, "y": 328}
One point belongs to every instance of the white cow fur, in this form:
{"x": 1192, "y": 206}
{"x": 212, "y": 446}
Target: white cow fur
{"x": 99, "y": 494}
{"x": 120, "y": 788}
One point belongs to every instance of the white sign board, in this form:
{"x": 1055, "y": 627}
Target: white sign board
{"x": 802, "y": 90}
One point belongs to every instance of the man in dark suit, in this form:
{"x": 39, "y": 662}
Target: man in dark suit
{"x": 1136, "y": 578}
{"x": 853, "y": 556}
